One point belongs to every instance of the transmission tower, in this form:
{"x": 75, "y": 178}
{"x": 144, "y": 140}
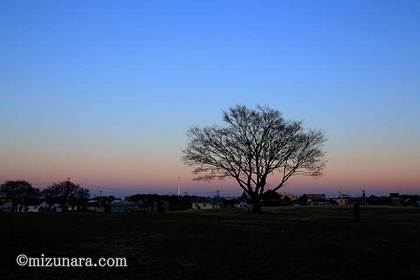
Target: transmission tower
{"x": 179, "y": 185}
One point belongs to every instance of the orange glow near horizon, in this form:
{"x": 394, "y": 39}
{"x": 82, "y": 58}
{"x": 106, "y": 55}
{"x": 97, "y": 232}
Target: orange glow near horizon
{"x": 132, "y": 173}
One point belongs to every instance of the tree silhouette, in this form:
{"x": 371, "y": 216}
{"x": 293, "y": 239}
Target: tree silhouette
{"x": 251, "y": 147}
{"x": 66, "y": 193}
{"x": 19, "y": 192}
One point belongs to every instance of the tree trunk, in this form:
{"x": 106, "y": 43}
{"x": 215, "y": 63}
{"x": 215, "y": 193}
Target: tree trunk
{"x": 256, "y": 205}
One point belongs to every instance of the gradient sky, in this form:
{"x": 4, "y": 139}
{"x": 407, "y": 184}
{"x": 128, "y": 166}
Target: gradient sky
{"x": 104, "y": 91}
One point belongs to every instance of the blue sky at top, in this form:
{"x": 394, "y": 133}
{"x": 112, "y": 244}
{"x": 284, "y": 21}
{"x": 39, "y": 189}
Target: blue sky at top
{"x": 82, "y": 78}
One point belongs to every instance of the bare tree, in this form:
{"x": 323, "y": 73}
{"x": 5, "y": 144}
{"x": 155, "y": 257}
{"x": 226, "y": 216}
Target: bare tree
{"x": 252, "y": 147}
{"x": 66, "y": 193}
{"x": 19, "y": 192}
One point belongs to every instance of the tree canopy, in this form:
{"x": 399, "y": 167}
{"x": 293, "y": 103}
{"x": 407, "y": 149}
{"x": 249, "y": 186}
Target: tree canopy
{"x": 66, "y": 192}
{"x": 251, "y": 146}
{"x": 19, "y": 191}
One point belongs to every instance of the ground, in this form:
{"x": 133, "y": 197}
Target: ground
{"x": 283, "y": 243}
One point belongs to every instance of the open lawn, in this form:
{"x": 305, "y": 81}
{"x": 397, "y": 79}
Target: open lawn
{"x": 283, "y": 243}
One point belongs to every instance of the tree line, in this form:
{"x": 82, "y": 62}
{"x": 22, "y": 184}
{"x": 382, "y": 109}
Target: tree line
{"x": 64, "y": 193}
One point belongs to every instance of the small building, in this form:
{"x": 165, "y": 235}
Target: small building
{"x": 206, "y": 205}
{"x": 71, "y": 208}
{"x": 44, "y": 207}
{"x": 56, "y": 208}
{"x": 242, "y": 204}
{"x": 320, "y": 202}
{"x": 124, "y": 206}
{"x": 32, "y": 208}
{"x": 395, "y": 199}
{"x": 315, "y": 196}
{"x": 342, "y": 201}
{"x": 95, "y": 206}
{"x": 27, "y": 208}
{"x": 289, "y": 196}
{"x": 6, "y": 207}
{"x": 20, "y": 208}
{"x": 377, "y": 200}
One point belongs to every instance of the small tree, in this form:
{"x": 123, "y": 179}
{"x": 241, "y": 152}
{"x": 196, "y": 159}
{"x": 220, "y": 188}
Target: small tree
{"x": 66, "y": 192}
{"x": 252, "y": 146}
{"x": 19, "y": 192}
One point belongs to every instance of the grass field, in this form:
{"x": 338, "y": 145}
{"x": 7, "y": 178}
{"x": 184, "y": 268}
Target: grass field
{"x": 283, "y": 243}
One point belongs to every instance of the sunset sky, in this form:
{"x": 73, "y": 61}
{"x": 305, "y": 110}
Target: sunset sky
{"x": 104, "y": 91}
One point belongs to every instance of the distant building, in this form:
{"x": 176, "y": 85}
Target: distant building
{"x": 56, "y": 208}
{"x": 320, "y": 202}
{"x": 290, "y": 196}
{"x": 206, "y": 205}
{"x": 73, "y": 208}
{"x": 242, "y": 204}
{"x": 315, "y": 196}
{"x": 125, "y": 206}
{"x": 408, "y": 200}
{"x": 32, "y": 209}
{"x": 272, "y": 198}
{"x": 6, "y": 207}
{"x": 44, "y": 207}
{"x": 395, "y": 199}
{"x": 94, "y": 205}
{"x": 229, "y": 202}
{"x": 122, "y": 206}
{"x": 314, "y": 199}
{"x": 378, "y": 200}
{"x": 342, "y": 201}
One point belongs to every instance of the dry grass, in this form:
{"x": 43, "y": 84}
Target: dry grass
{"x": 283, "y": 243}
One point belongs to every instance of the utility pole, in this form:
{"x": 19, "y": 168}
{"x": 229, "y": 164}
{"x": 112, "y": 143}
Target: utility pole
{"x": 364, "y": 197}
{"x": 100, "y": 200}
